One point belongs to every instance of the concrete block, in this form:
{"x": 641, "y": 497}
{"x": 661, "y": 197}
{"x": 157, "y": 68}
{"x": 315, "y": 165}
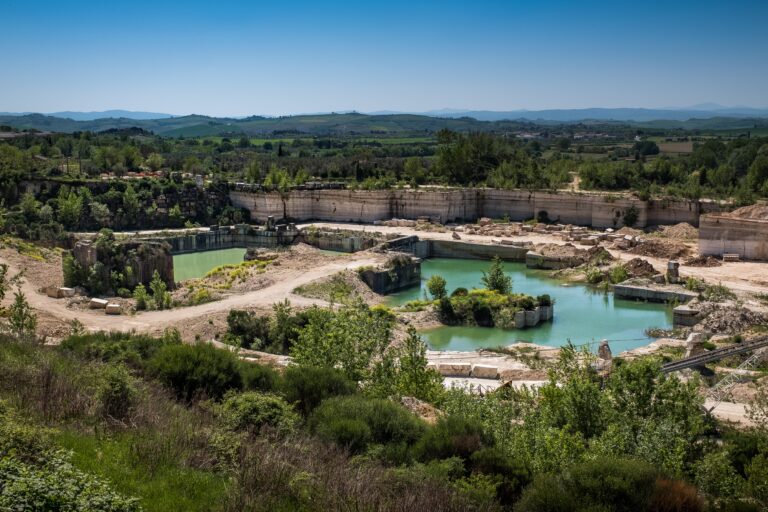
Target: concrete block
{"x": 481, "y": 371}
{"x": 98, "y": 303}
{"x": 455, "y": 369}
{"x": 113, "y": 309}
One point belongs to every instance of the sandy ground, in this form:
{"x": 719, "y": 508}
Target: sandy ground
{"x": 157, "y": 321}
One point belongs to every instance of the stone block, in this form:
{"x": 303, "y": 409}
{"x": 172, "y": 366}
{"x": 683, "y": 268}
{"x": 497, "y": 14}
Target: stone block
{"x": 113, "y": 309}
{"x": 519, "y": 319}
{"x": 532, "y": 318}
{"x": 455, "y": 369}
{"x": 482, "y": 371}
{"x": 98, "y": 303}
{"x": 66, "y": 292}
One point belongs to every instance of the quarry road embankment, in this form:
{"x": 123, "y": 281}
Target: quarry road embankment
{"x": 153, "y": 321}
{"x": 745, "y": 276}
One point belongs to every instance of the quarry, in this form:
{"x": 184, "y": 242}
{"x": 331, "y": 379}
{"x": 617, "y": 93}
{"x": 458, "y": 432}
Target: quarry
{"x": 568, "y": 253}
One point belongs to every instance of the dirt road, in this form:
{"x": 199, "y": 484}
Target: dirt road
{"x": 156, "y": 320}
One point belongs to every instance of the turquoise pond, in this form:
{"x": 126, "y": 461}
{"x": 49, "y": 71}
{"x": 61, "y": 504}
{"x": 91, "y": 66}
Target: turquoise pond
{"x": 582, "y": 314}
{"x": 197, "y": 264}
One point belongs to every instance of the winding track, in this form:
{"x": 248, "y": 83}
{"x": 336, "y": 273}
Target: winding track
{"x": 96, "y": 319}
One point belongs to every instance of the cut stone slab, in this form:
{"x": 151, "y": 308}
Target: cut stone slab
{"x": 482, "y": 371}
{"x": 113, "y": 309}
{"x": 98, "y": 303}
{"x": 455, "y": 369}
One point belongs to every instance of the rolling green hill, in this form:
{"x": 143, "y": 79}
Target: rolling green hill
{"x": 338, "y": 124}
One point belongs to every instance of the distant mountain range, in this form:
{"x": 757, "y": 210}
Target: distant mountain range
{"x": 388, "y": 123}
{"x": 702, "y": 111}
{"x": 103, "y": 114}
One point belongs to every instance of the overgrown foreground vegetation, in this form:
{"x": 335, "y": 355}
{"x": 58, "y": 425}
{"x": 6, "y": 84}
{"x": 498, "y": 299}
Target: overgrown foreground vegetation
{"x": 127, "y": 422}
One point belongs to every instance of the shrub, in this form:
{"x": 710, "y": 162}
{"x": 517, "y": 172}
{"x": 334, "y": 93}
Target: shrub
{"x": 258, "y": 376}
{"x": 307, "y": 387}
{"x": 605, "y": 484}
{"x": 544, "y": 300}
{"x": 453, "y": 436}
{"x": 251, "y": 329}
{"x": 618, "y": 274}
{"x": 387, "y": 421}
{"x": 460, "y": 292}
{"x": 594, "y": 275}
{"x": 141, "y": 296}
{"x": 251, "y": 411}
{"x": 192, "y": 370}
{"x": 116, "y": 394}
{"x": 436, "y": 287}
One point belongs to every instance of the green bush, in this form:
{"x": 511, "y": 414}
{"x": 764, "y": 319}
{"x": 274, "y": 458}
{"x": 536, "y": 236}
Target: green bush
{"x": 116, "y": 394}
{"x": 388, "y": 422}
{"x": 251, "y": 411}
{"x": 453, "y": 436}
{"x": 258, "y": 376}
{"x": 197, "y": 370}
{"x": 613, "y": 484}
{"x": 618, "y": 274}
{"x": 251, "y": 329}
{"x": 544, "y": 300}
{"x": 460, "y": 292}
{"x": 307, "y": 387}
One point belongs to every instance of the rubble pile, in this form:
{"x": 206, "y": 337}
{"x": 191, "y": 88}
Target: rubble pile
{"x": 729, "y": 319}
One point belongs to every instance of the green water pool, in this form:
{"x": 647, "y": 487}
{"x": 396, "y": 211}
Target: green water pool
{"x": 582, "y": 314}
{"x": 197, "y": 264}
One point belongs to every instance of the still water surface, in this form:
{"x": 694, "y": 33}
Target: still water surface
{"x": 197, "y": 264}
{"x": 582, "y": 314}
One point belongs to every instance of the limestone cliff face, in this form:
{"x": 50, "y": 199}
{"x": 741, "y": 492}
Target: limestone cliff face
{"x": 447, "y": 205}
{"x": 142, "y": 257}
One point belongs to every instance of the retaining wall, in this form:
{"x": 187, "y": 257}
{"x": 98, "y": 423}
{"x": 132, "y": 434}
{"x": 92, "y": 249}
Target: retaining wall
{"x": 448, "y": 205}
{"x": 719, "y": 234}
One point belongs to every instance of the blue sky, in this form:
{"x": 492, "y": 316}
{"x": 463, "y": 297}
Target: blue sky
{"x": 240, "y": 57}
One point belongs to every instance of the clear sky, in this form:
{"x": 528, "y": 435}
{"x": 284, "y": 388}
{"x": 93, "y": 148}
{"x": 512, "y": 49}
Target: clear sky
{"x": 252, "y": 57}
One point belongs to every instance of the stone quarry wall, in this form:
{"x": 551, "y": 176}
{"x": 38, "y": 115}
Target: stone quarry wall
{"x": 719, "y": 234}
{"x": 228, "y": 238}
{"x": 389, "y": 280}
{"x": 448, "y": 205}
{"x": 143, "y": 257}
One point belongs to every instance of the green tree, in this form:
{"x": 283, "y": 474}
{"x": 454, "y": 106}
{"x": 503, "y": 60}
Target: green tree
{"x": 155, "y": 161}
{"x": 70, "y": 207}
{"x": 348, "y": 339}
{"x": 495, "y": 279}
{"x": 21, "y": 318}
{"x": 131, "y": 202}
{"x": 436, "y": 287}
{"x": 403, "y": 371}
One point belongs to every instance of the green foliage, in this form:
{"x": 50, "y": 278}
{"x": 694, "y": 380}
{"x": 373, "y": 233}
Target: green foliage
{"x": 307, "y": 386}
{"x": 402, "y": 371}
{"x": 21, "y": 318}
{"x": 349, "y": 339}
{"x": 142, "y": 297}
{"x": 161, "y": 297}
{"x": 618, "y": 274}
{"x": 603, "y": 484}
{"x": 193, "y": 371}
{"x": 355, "y": 422}
{"x": 453, "y": 436}
{"x": 117, "y": 394}
{"x": 251, "y": 411}
{"x": 495, "y": 279}
{"x": 250, "y": 329}
{"x": 436, "y": 287}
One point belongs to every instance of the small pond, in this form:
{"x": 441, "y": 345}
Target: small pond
{"x": 197, "y": 264}
{"x": 582, "y": 314}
